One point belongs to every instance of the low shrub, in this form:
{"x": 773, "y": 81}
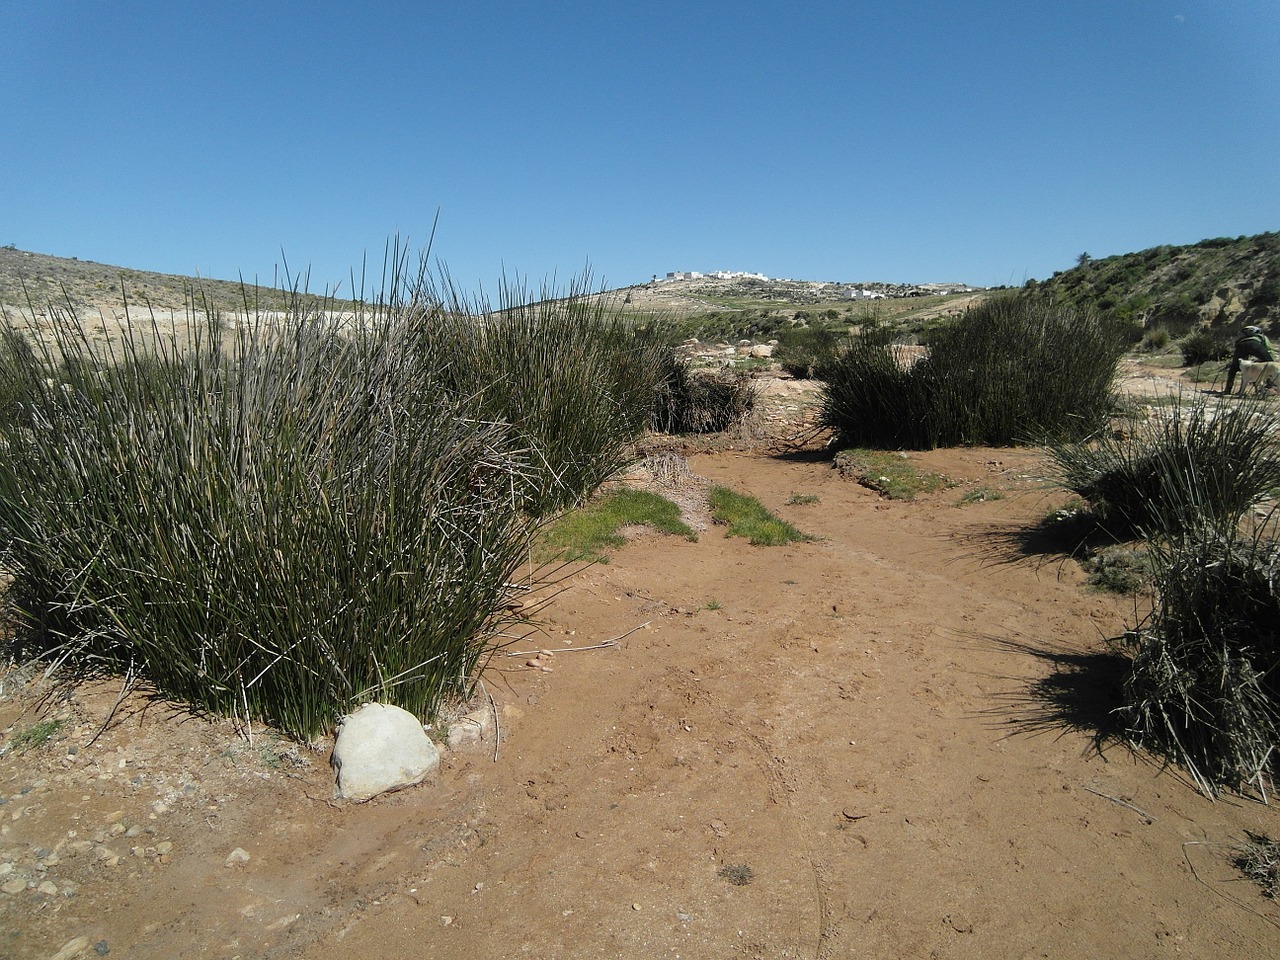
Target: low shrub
{"x": 278, "y": 527}
{"x": 1202, "y": 346}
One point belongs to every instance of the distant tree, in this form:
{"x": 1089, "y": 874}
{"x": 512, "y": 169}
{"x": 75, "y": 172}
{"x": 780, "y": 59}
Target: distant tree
{"x": 1083, "y": 260}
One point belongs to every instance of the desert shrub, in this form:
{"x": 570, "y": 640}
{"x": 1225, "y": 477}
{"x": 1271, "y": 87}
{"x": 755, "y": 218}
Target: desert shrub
{"x": 1156, "y": 339}
{"x": 1012, "y": 370}
{"x": 1203, "y": 345}
{"x": 699, "y": 401}
{"x": 1204, "y": 682}
{"x": 278, "y": 527}
{"x": 1187, "y": 464}
{"x": 803, "y": 352}
{"x": 574, "y": 378}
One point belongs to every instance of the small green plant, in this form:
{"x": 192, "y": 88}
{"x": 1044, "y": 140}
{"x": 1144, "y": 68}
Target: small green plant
{"x": 1118, "y": 569}
{"x": 747, "y": 517}
{"x": 585, "y": 533}
{"x": 980, "y": 495}
{"x": 889, "y": 474}
{"x": 738, "y": 874}
{"x": 1258, "y": 858}
{"x": 36, "y": 735}
{"x": 712, "y": 605}
{"x": 802, "y": 499}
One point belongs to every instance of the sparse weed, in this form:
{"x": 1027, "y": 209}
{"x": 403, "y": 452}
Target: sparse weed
{"x": 36, "y": 735}
{"x": 1258, "y": 858}
{"x": 890, "y": 474}
{"x": 802, "y": 499}
{"x": 980, "y": 494}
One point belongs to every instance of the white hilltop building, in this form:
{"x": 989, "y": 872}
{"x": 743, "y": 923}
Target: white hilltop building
{"x": 715, "y": 275}
{"x": 861, "y": 293}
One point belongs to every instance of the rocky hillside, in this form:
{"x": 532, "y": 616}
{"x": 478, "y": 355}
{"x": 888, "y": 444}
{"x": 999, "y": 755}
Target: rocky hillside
{"x": 1222, "y": 282}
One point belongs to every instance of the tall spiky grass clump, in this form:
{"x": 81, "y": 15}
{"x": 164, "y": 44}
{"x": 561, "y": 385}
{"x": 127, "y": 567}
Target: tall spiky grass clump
{"x": 699, "y": 401}
{"x": 1013, "y": 370}
{"x": 1185, "y": 464}
{"x": 279, "y": 526}
{"x": 573, "y": 377}
{"x": 1204, "y": 682}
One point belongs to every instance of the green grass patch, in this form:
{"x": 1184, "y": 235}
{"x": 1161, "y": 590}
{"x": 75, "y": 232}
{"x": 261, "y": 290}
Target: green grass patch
{"x": 36, "y": 735}
{"x": 747, "y": 517}
{"x": 587, "y": 532}
{"x": 891, "y": 475}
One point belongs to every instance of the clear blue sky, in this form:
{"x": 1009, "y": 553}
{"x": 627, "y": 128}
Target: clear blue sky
{"x": 986, "y": 141}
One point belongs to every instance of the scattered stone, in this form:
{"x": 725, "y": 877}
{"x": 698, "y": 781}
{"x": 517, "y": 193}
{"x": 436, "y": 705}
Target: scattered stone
{"x": 48, "y": 888}
{"x": 15, "y": 886}
{"x": 381, "y": 748}
{"x": 101, "y": 948}
{"x": 164, "y": 847}
{"x": 237, "y": 857}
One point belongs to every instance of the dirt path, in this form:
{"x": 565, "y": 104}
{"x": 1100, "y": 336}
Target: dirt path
{"x": 885, "y": 736}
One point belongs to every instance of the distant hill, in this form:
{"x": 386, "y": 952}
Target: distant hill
{"x": 40, "y": 279}
{"x": 1221, "y": 282}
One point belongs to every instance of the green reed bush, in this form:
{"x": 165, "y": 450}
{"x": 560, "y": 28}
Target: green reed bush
{"x": 1204, "y": 683}
{"x": 574, "y": 378}
{"x": 279, "y": 526}
{"x": 804, "y": 351}
{"x": 699, "y": 401}
{"x": 1186, "y": 464}
{"x": 1012, "y": 370}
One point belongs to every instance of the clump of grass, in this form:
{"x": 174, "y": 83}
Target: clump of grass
{"x": 802, "y": 499}
{"x": 747, "y": 517}
{"x": 889, "y": 474}
{"x": 1258, "y": 858}
{"x": 980, "y": 494}
{"x": 1013, "y": 370}
{"x": 36, "y": 735}
{"x": 587, "y": 532}
{"x": 738, "y": 874}
{"x": 804, "y": 352}
{"x": 1187, "y": 464}
{"x": 700, "y": 401}
{"x": 298, "y": 516}
{"x": 1204, "y": 684}
{"x": 1118, "y": 569}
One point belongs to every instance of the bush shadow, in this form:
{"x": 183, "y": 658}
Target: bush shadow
{"x": 1082, "y": 693}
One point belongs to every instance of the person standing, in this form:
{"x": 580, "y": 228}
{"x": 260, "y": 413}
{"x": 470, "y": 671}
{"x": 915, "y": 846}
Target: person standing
{"x": 1252, "y": 345}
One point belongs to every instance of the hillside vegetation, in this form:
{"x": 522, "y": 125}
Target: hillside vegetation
{"x": 1220, "y": 282}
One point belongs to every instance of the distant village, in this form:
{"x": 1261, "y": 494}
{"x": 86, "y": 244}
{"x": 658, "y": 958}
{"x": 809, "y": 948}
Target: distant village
{"x": 876, "y": 291}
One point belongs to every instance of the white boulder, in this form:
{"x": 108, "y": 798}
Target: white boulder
{"x": 381, "y": 748}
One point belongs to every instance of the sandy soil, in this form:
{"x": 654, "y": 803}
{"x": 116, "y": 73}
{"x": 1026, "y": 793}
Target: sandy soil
{"x": 890, "y": 741}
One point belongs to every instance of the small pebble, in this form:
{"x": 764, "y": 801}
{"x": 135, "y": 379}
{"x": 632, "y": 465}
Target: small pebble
{"x": 237, "y": 856}
{"x": 101, "y": 948}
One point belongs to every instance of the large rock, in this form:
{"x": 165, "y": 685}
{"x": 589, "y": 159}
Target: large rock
{"x": 381, "y": 748}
